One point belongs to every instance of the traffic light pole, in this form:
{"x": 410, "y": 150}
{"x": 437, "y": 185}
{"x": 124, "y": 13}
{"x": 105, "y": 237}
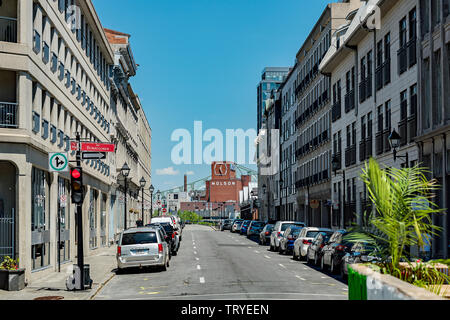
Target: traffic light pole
{"x": 80, "y": 252}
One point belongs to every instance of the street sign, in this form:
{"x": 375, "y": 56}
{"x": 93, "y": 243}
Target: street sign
{"x": 98, "y": 147}
{"x": 63, "y": 201}
{"x": 73, "y": 145}
{"x": 93, "y": 155}
{"x": 164, "y": 210}
{"x": 58, "y": 162}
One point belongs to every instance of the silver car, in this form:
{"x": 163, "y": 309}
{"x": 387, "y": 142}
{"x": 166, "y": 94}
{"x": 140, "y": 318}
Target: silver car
{"x": 304, "y": 240}
{"x": 142, "y": 247}
{"x": 278, "y": 231}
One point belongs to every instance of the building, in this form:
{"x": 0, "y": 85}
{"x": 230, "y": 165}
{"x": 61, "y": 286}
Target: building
{"x": 377, "y": 90}
{"x": 431, "y": 110}
{"x": 55, "y": 82}
{"x": 249, "y": 203}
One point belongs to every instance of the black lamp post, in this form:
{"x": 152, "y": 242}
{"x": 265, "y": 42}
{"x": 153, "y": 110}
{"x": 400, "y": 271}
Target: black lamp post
{"x": 142, "y": 182}
{"x": 151, "y": 189}
{"x": 335, "y": 164}
{"x": 125, "y": 172}
{"x": 158, "y": 195}
{"x": 394, "y": 141}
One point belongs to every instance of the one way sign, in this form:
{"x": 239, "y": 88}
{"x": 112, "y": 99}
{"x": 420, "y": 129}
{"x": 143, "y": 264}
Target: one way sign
{"x": 93, "y": 155}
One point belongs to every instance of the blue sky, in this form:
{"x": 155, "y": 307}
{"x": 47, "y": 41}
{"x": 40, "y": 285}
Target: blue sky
{"x": 201, "y": 60}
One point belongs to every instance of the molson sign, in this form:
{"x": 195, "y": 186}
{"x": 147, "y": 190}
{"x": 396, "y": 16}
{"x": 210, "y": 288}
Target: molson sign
{"x": 223, "y": 183}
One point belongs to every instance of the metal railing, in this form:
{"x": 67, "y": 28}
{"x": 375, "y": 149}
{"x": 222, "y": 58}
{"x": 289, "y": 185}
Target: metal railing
{"x": 8, "y": 29}
{"x": 8, "y": 115}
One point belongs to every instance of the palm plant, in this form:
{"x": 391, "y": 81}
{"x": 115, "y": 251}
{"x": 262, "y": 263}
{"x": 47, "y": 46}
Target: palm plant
{"x": 403, "y": 211}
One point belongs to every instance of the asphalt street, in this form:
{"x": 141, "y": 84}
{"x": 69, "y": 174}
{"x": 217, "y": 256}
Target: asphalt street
{"x": 225, "y": 266}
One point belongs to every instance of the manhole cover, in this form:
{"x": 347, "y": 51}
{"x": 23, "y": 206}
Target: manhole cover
{"x": 49, "y": 298}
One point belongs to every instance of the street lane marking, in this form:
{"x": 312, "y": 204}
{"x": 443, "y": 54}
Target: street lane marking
{"x": 267, "y": 257}
{"x": 198, "y": 267}
{"x": 247, "y": 294}
{"x": 249, "y": 247}
{"x": 195, "y": 252}
{"x": 281, "y": 265}
{"x": 301, "y": 278}
{"x": 256, "y": 251}
{"x": 195, "y": 247}
{"x": 197, "y": 258}
{"x": 202, "y": 280}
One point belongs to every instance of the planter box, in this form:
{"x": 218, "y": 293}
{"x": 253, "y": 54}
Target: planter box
{"x": 12, "y": 280}
{"x": 367, "y": 284}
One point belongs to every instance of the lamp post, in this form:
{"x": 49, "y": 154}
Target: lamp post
{"x": 281, "y": 196}
{"x": 142, "y": 182}
{"x": 151, "y": 189}
{"x": 125, "y": 172}
{"x": 335, "y": 164}
{"x": 394, "y": 141}
{"x": 158, "y": 195}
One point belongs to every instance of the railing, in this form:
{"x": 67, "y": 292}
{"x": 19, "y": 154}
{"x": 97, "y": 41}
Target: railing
{"x": 379, "y": 143}
{"x": 402, "y": 56}
{"x": 8, "y": 29}
{"x": 412, "y": 53}
{"x": 336, "y": 111}
{"x": 8, "y": 115}
{"x": 350, "y": 100}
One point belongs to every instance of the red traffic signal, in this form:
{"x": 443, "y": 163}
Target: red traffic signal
{"x": 76, "y": 185}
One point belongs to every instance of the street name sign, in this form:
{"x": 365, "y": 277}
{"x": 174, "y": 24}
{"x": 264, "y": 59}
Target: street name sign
{"x": 93, "y": 155}
{"x": 58, "y": 162}
{"x": 98, "y": 147}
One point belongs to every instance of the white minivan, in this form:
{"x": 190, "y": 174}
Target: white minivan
{"x": 278, "y": 231}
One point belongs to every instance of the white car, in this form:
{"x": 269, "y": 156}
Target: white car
{"x": 173, "y": 223}
{"x": 304, "y": 241}
{"x": 278, "y": 231}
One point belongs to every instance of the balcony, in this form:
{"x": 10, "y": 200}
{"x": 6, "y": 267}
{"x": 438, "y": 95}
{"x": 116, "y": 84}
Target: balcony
{"x": 412, "y": 52}
{"x": 350, "y": 155}
{"x": 350, "y": 100}
{"x": 402, "y": 59}
{"x": 8, "y": 115}
{"x": 8, "y": 29}
{"x": 379, "y": 143}
{"x": 368, "y": 147}
{"x": 387, "y": 145}
{"x": 336, "y": 111}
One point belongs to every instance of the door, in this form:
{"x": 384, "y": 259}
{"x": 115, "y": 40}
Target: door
{"x": 7, "y": 210}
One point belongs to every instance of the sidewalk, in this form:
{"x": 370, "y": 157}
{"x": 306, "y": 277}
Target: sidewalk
{"x": 101, "y": 264}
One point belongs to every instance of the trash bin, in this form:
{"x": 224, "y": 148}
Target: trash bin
{"x": 87, "y": 277}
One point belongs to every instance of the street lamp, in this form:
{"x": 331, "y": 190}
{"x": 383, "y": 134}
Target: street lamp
{"x": 125, "y": 170}
{"x": 158, "y": 195}
{"x": 151, "y": 189}
{"x": 394, "y": 141}
{"x": 142, "y": 182}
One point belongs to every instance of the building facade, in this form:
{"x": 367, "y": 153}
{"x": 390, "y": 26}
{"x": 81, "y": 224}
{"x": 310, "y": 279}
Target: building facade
{"x": 55, "y": 82}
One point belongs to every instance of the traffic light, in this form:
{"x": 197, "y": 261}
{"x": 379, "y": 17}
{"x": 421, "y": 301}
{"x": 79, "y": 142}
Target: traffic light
{"x": 76, "y": 184}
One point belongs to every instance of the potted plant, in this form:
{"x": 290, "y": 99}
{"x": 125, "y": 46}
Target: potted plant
{"x": 12, "y": 278}
{"x": 402, "y": 218}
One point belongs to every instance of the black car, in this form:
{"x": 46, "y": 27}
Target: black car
{"x": 264, "y": 235}
{"x": 314, "y": 252}
{"x": 226, "y": 224}
{"x": 360, "y": 252}
{"x": 334, "y": 250}
{"x": 170, "y": 233}
{"x": 163, "y": 232}
{"x": 255, "y": 228}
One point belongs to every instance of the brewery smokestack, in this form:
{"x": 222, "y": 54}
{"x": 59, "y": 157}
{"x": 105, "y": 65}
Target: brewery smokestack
{"x": 185, "y": 183}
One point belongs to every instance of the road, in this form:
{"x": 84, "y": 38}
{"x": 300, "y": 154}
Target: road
{"x": 222, "y": 265}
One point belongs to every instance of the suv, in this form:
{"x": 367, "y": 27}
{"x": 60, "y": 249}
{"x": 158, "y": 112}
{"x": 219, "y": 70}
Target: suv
{"x": 172, "y": 234}
{"x": 288, "y": 238}
{"x": 278, "y": 231}
{"x": 304, "y": 240}
{"x": 141, "y": 247}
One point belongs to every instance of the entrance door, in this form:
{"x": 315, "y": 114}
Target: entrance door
{"x": 7, "y": 210}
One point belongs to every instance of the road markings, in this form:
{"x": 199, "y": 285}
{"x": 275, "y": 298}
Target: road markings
{"x": 195, "y": 252}
{"x": 202, "y": 280}
{"x": 149, "y": 292}
{"x": 301, "y": 278}
{"x": 195, "y": 247}
{"x": 249, "y": 247}
{"x": 266, "y": 257}
{"x": 281, "y": 265}
{"x": 256, "y": 251}
{"x": 197, "y": 258}
{"x": 198, "y": 267}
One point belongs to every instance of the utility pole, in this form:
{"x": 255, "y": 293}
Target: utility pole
{"x": 80, "y": 252}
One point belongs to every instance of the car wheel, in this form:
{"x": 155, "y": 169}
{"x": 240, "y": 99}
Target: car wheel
{"x": 294, "y": 256}
{"x": 307, "y": 259}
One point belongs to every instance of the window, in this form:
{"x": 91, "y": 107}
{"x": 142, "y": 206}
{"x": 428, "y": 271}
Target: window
{"x": 45, "y": 53}
{"x": 412, "y": 24}
{"x": 403, "y": 34}
{"x": 36, "y": 42}
{"x": 437, "y": 89}
{"x": 387, "y": 113}
{"x": 426, "y": 97}
{"x": 424, "y": 17}
{"x": 436, "y": 13}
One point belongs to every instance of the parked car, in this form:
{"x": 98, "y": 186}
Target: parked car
{"x": 304, "y": 240}
{"x": 288, "y": 238}
{"x": 278, "y": 231}
{"x": 334, "y": 250}
{"x": 264, "y": 235}
{"x": 238, "y": 226}
{"x": 314, "y": 253}
{"x": 141, "y": 247}
{"x": 360, "y": 252}
{"x": 254, "y": 229}
{"x": 166, "y": 237}
{"x": 226, "y": 224}
{"x": 170, "y": 231}
{"x": 244, "y": 227}
{"x": 235, "y": 224}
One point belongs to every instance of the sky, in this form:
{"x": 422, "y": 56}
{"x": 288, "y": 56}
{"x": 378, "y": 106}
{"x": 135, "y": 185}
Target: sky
{"x": 201, "y": 60}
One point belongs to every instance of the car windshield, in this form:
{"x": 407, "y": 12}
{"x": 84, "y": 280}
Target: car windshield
{"x": 287, "y": 225}
{"x": 257, "y": 224}
{"x": 167, "y": 227}
{"x": 311, "y": 234}
{"x": 139, "y": 238}
{"x": 269, "y": 227}
{"x": 295, "y": 232}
